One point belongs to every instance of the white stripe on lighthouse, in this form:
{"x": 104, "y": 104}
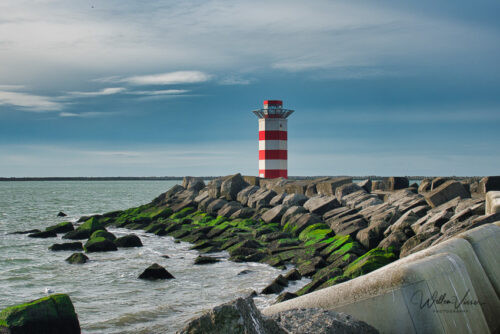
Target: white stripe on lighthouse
{"x": 272, "y": 164}
{"x": 272, "y": 145}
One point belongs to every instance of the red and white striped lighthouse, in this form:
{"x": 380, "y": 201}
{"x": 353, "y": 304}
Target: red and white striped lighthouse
{"x": 273, "y": 139}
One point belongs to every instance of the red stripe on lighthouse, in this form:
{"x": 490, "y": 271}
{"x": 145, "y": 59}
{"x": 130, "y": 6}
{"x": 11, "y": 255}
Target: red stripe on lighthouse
{"x": 273, "y": 173}
{"x": 273, "y": 155}
{"x": 272, "y": 135}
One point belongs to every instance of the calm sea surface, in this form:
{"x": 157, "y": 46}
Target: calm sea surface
{"x": 106, "y": 293}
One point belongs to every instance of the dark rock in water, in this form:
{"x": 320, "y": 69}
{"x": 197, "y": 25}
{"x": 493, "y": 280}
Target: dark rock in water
{"x": 99, "y": 244}
{"x": 52, "y": 314}
{"x": 237, "y": 317}
{"x": 26, "y": 232}
{"x": 155, "y": 271}
{"x": 165, "y": 256}
{"x": 61, "y": 227}
{"x": 67, "y": 246}
{"x": 285, "y": 296}
{"x": 43, "y": 235}
{"x": 276, "y": 286}
{"x": 205, "y": 260}
{"x": 104, "y": 234}
{"x": 130, "y": 240}
{"x": 77, "y": 235}
{"x": 320, "y": 321}
{"x": 293, "y": 275}
{"x": 244, "y": 272}
{"x": 77, "y": 258}
{"x": 61, "y": 214}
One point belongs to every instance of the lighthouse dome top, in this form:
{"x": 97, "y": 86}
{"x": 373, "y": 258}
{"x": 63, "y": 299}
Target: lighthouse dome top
{"x": 273, "y": 109}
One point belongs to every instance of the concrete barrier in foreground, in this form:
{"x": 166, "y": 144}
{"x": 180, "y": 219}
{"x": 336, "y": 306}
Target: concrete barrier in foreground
{"x": 485, "y": 241}
{"x": 428, "y": 295}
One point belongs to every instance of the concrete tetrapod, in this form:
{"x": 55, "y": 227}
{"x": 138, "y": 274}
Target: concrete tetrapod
{"x": 485, "y": 241}
{"x": 492, "y": 202}
{"x": 429, "y": 295}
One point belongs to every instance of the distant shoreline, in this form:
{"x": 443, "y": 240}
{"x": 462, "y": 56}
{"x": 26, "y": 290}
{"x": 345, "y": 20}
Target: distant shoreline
{"x": 179, "y": 178}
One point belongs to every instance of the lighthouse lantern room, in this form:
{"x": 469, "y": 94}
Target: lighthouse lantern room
{"x": 273, "y": 139}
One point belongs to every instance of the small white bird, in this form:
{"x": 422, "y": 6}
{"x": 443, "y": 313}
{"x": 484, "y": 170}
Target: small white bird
{"x": 48, "y": 291}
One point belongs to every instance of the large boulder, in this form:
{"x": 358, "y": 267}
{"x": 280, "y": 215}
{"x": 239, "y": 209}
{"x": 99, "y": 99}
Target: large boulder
{"x": 213, "y": 187}
{"x": 300, "y": 222}
{"x": 328, "y": 187}
{"x": 320, "y": 205}
{"x": 154, "y": 272}
{"x": 294, "y": 199}
{"x": 99, "y": 244}
{"x": 489, "y": 183}
{"x": 130, "y": 240}
{"x": 274, "y": 215}
{"x": 366, "y": 185}
{"x": 244, "y": 194}
{"x": 61, "y": 227}
{"x": 215, "y": 206}
{"x": 261, "y": 198}
{"x": 51, "y": 314}
{"x": 237, "y": 317}
{"x": 229, "y": 208}
{"x": 231, "y": 186}
{"x": 243, "y": 213}
{"x": 425, "y": 186}
{"x": 292, "y": 212}
{"x": 193, "y": 183}
{"x": 492, "y": 202}
{"x": 346, "y": 189}
{"x": 436, "y": 182}
{"x": 446, "y": 192}
{"x": 252, "y": 180}
{"x": 396, "y": 183}
{"x": 321, "y": 321}
{"x": 278, "y": 199}
{"x": 102, "y": 233}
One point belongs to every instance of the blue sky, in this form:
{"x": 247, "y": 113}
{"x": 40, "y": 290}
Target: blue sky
{"x": 134, "y": 88}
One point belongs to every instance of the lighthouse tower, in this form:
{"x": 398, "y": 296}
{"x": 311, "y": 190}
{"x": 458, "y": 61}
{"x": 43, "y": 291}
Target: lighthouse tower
{"x": 273, "y": 139}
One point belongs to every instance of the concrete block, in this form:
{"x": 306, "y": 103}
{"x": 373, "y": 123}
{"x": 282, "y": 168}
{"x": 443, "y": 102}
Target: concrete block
{"x": 492, "y": 202}
{"x": 413, "y": 297}
{"x": 485, "y": 241}
{"x": 446, "y": 192}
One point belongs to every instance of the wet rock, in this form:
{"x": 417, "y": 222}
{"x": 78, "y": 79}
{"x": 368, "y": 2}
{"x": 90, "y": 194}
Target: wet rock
{"x": 285, "y": 296}
{"x": 77, "y": 258}
{"x": 237, "y": 317}
{"x": 52, "y": 314}
{"x": 446, "y": 192}
{"x": 309, "y": 267}
{"x": 104, "y": 234}
{"x": 154, "y": 272}
{"x": 61, "y": 214}
{"x": 321, "y": 321}
{"x": 328, "y": 187}
{"x": 245, "y": 272}
{"x": 205, "y": 260}
{"x": 274, "y": 215}
{"x": 231, "y": 186}
{"x": 77, "y": 235}
{"x": 274, "y": 236}
{"x": 277, "y": 285}
{"x": 66, "y": 246}
{"x": 320, "y": 205}
{"x": 99, "y": 244}
{"x": 61, "y": 227}
{"x": 130, "y": 240}
{"x": 43, "y": 235}
{"x": 293, "y": 275}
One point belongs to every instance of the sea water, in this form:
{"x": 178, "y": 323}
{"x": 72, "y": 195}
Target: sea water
{"x": 106, "y": 293}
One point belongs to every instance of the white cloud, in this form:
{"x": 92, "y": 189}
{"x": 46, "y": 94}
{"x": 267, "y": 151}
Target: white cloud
{"x": 29, "y": 102}
{"x": 87, "y": 114}
{"x": 171, "y": 78}
{"x": 235, "y": 80}
{"x": 161, "y": 92}
{"x": 102, "y": 92}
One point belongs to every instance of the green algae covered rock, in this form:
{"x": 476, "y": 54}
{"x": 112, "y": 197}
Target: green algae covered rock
{"x": 370, "y": 261}
{"x": 92, "y": 225}
{"x": 99, "y": 244}
{"x": 61, "y": 227}
{"x": 103, "y": 233}
{"x": 77, "y": 258}
{"x": 52, "y": 314}
{"x": 130, "y": 240}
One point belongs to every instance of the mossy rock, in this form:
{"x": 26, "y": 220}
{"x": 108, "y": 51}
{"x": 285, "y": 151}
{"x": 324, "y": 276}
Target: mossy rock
{"x": 370, "y": 261}
{"x": 77, "y": 258}
{"x": 67, "y": 246}
{"x": 52, "y": 314}
{"x": 303, "y": 236}
{"x": 155, "y": 227}
{"x": 333, "y": 281}
{"x": 61, "y": 227}
{"x": 99, "y": 244}
{"x": 205, "y": 260}
{"x": 77, "y": 235}
{"x": 335, "y": 243}
{"x": 130, "y": 240}
{"x": 91, "y": 225}
{"x": 282, "y": 243}
{"x": 351, "y": 247}
{"x": 183, "y": 213}
{"x": 104, "y": 234}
